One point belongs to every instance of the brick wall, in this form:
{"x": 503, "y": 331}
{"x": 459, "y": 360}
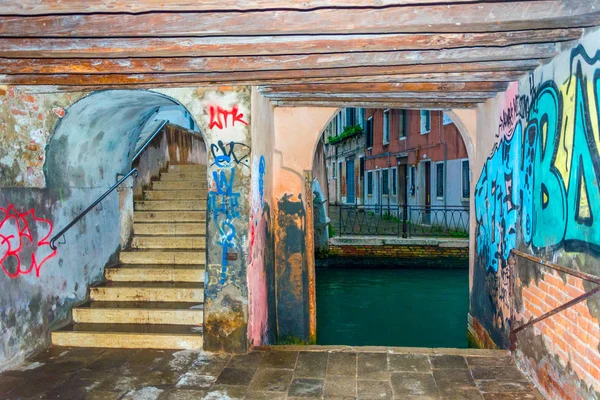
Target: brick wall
{"x": 399, "y": 251}
{"x": 571, "y": 337}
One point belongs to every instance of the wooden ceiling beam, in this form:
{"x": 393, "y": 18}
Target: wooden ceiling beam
{"x": 366, "y": 104}
{"x": 380, "y": 95}
{"x": 383, "y": 99}
{"x": 270, "y": 45}
{"x": 288, "y": 62}
{"x": 386, "y": 87}
{"x": 40, "y": 7}
{"x": 438, "y": 18}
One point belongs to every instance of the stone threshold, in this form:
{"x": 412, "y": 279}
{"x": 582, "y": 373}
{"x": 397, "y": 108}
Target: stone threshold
{"x": 436, "y": 351}
{"x": 397, "y": 241}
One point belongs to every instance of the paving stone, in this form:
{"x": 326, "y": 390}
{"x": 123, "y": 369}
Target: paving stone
{"x": 490, "y": 361}
{"x": 413, "y": 384}
{"x": 149, "y": 358}
{"x": 466, "y": 394}
{"x": 341, "y": 364}
{"x": 370, "y": 390}
{"x": 38, "y": 386}
{"x": 372, "y": 366}
{"x": 496, "y": 386}
{"x": 279, "y": 359}
{"x": 103, "y": 395}
{"x": 271, "y": 380}
{"x": 509, "y": 374}
{"x": 453, "y": 379}
{"x": 8, "y": 384}
{"x": 145, "y": 393}
{"x": 111, "y": 359}
{"x": 342, "y": 386}
{"x": 266, "y": 396}
{"x": 221, "y": 392}
{"x": 184, "y": 394}
{"x": 448, "y": 361}
{"x": 249, "y": 361}
{"x": 235, "y": 376}
{"x": 209, "y": 364}
{"x": 409, "y": 363}
{"x": 194, "y": 380}
{"x": 311, "y": 364}
{"x": 306, "y": 387}
{"x": 509, "y": 396}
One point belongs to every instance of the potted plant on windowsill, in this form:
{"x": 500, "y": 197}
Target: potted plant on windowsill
{"x": 349, "y": 132}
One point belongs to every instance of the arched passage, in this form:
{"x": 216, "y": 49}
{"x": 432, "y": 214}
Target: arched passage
{"x": 99, "y": 134}
{"x": 350, "y": 170}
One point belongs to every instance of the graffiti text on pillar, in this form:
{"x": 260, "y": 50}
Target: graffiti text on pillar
{"x": 219, "y": 117}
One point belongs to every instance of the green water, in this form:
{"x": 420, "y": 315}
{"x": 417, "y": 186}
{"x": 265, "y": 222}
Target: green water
{"x": 392, "y": 307}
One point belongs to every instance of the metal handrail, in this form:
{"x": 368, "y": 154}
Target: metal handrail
{"x": 581, "y": 275}
{"x": 87, "y": 210}
{"x": 147, "y": 142}
{"x": 134, "y": 171}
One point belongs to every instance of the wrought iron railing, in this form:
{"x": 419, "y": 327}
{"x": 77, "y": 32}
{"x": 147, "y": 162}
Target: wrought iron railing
{"x": 401, "y": 220}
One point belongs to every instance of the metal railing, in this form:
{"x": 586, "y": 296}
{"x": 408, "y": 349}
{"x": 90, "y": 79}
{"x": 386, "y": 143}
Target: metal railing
{"x": 401, "y": 220}
{"x": 539, "y": 261}
{"x": 133, "y": 171}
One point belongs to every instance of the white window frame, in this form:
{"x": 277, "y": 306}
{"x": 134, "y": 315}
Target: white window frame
{"x": 421, "y": 125}
{"x": 362, "y": 118}
{"x": 462, "y": 180}
{"x": 386, "y": 127}
{"x": 436, "y": 181}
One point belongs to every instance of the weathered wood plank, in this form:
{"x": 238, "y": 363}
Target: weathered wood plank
{"x": 287, "y": 62}
{"x": 465, "y": 17}
{"x": 354, "y": 99}
{"x": 472, "y": 96}
{"x": 36, "y": 7}
{"x": 269, "y": 45}
{"x": 366, "y": 104}
{"x": 386, "y": 87}
{"x": 470, "y": 72}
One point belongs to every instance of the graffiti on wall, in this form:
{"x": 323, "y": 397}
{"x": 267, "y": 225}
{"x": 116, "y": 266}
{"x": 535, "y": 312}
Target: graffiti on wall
{"x": 232, "y": 152}
{"x": 543, "y": 176}
{"x": 219, "y": 117}
{"x": 20, "y": 252}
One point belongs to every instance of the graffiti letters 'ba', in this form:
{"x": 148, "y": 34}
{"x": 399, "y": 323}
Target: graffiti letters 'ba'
{"x": 20, "y": 253}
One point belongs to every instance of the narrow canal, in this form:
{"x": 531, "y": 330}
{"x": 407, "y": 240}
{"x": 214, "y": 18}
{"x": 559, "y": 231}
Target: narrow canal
{"x": 392, "y": 307}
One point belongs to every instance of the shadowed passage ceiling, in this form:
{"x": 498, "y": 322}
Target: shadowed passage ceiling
{"x": 375, "y": 53}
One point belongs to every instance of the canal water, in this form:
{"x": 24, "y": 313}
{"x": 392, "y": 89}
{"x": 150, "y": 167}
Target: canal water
{"x": 392, "y": 307}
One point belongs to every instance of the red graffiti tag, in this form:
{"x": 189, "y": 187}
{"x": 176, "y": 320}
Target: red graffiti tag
{"x": 16, "y": 241}
{"x": 218, "y": 117}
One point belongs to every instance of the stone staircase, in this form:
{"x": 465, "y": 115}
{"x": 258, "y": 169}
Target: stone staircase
{"x": 154, "y": 297}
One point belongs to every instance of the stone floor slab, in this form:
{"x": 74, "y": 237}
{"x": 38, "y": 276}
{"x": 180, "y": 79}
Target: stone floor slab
{"x": 373, "y": 390}
{"x": 409, "y": 363}
{"x": 341, "y": 364}
{"x": 408, "y": 384}
{"x": 306, "y": 387}
{"x": 235, "y": 377}
{"x": 279, "y": 359}
{"x": 372, "y": 366}
{"x": 311, "y": 365}
{"x": 271, "y": 380}
{"x": 448, "y": 361}
{"x": 340, "y": 386}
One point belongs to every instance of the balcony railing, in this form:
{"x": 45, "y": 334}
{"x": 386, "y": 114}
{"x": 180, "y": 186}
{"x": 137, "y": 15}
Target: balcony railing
{"x": 403, "y": 220}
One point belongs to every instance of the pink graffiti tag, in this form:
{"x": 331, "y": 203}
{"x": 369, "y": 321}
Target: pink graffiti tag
{"x": 218, "y": 117}
{"x": 15, "y": 232}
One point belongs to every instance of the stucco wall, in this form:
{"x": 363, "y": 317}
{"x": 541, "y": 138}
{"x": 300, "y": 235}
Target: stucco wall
{"x": 538, "y": 192}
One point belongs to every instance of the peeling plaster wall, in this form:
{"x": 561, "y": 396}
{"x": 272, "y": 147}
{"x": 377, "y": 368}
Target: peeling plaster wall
{"x": 93, "y": 143}
{"x": 538, "y": 192}
{"x": 261, "y": 269}
{"x": 297, "y": 131}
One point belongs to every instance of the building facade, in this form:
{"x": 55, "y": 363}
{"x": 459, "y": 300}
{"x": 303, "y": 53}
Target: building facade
{"x": 412, "y": 157}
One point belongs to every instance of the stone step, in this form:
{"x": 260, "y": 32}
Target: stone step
{"x": 148, "y": 291}
{"x": 168, "y": 242}
{"x": 169, "y": 185}
{"x": 163, "y": 257}
{"x": 186, "y": 167}
{"x": 174, "y": 228}
{"x": 107, "y": 312}
{"x": 170, "y": 216}
{"x": 155, "y": 273}
{"x": 130, "y": 336}
{"x": 190, "y": 194}
{"x": 170, "y": 205}
{"x": 184, "y": 176}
